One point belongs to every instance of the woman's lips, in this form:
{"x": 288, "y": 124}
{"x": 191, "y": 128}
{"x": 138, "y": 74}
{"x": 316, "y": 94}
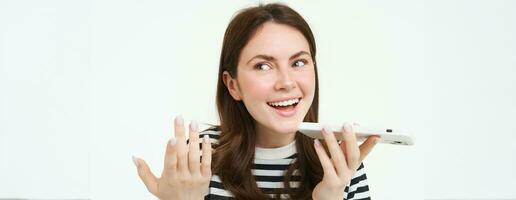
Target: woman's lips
{"x": 286, "y": 111}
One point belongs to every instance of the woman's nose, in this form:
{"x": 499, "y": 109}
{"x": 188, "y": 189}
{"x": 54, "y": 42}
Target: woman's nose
{"x": 285, "y": 81}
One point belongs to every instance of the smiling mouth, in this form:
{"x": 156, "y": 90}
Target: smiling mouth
{"x": 285, "y": 105}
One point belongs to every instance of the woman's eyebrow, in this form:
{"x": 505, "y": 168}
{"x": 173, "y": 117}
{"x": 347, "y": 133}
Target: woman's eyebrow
{"x": 299, "y": 54}
{"x": 271, "y": 58}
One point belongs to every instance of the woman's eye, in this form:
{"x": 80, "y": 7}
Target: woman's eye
{"x": 262, "y": 66}
{"x": 299, "y": 63}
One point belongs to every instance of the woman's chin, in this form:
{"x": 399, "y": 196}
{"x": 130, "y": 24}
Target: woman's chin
{"x": 289, "y": 127}
{"x": 287, "y": 130}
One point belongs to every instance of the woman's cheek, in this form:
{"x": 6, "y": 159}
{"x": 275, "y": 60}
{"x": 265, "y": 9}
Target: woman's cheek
{"x": 307, "y": 82}
{"x": 258, "y": 88}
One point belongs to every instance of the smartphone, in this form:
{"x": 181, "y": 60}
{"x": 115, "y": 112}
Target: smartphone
{"x": 387, "y": 136}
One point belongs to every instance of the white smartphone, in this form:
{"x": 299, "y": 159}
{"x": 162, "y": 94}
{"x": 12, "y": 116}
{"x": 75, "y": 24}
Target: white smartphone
{"x": 388, "y": 136}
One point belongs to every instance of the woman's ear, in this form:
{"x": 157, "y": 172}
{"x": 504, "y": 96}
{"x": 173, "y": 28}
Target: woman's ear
{"x": 232, "y": 86}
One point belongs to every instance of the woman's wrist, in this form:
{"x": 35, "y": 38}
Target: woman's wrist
{"x": 329, "y": 195}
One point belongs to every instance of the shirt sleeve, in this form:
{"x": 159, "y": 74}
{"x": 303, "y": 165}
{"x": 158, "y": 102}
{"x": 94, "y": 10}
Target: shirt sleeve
{"x": 358, "y": 188}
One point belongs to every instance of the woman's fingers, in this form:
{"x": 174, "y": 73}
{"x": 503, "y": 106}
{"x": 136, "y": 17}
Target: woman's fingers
{"x": 206, "y": 157}
{"x": 182, "y": 163}
{"x": 367, "y": 146}
{"x": 336, "y": 154}
{"x": 187, "y": 157}
{"x": 181, "y": 149}
{"x": 150, "y": 181}
{"x": 350, "y": 146}
{"x": 326, "y": 163}
{"x": 170, "y": 158}
{"x": 179, "y": 129}
{"x": 193, "y": 149}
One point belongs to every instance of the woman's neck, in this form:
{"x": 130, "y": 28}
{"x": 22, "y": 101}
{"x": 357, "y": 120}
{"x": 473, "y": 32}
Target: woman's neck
{"x": 269, "y": 139}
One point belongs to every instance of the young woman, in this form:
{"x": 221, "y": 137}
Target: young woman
{"x": 267, "y": 85}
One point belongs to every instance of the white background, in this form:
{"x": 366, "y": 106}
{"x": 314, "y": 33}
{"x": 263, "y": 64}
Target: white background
{"x": 86, "y": 84}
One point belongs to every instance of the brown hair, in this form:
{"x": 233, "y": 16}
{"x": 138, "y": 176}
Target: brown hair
{"x": 234, "y": 154}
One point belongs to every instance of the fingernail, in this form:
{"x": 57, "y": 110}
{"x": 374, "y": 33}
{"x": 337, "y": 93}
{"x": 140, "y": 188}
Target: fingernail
{"x": 179, "y": 120}
{"x": 172, "y": 141}
{"x": 348, "y": 128}
{"x": 317, "y": 142}
{"x": 326, "y": 129}
{"x": 206, "y": 139}
{"x": 135, "y": 161}
{"x": 194, "y": 126}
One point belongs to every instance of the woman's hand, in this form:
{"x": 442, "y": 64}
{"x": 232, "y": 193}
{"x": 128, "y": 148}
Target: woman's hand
{"x": 344, "y": 162}
{"x": 185, "y": 176}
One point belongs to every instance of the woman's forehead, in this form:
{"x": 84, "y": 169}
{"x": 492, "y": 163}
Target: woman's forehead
{"x": 276, "y": 40}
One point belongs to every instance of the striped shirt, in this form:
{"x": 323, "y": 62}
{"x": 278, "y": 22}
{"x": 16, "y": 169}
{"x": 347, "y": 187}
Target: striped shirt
{"x": 269, "y": 167}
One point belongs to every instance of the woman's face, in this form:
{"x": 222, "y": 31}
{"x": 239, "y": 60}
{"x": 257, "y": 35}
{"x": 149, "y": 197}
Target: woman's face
{"x": 275, "y": 78}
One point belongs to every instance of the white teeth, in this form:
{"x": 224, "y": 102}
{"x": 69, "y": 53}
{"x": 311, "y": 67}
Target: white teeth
{"x": 284, "y": 103}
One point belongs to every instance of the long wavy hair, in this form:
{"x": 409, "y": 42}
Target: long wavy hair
{"x": 234, "y": 153}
